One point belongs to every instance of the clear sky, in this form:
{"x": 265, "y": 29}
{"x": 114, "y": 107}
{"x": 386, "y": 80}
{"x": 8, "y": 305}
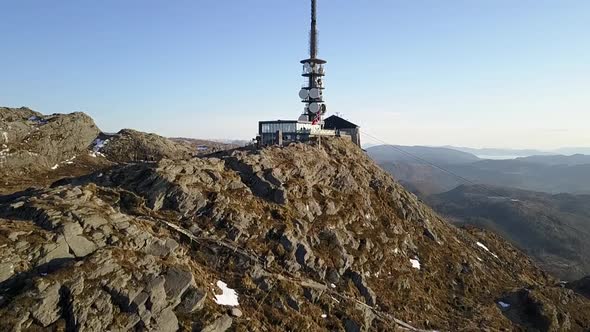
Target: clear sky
{"x": 495, "y": 73}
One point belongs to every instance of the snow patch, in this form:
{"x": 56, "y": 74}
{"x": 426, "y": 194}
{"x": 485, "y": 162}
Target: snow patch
{"x": 69, "y": 161}
{"x": 96, "y": 146}
{"x": 227, "y": 297}
{"x": 483, "y": 246}
{"x": 324, "y": 315}
{"x": 486, "y": 249}
{"x": 504, "y": 305}
{"x": 332, "y": 285}
{"x": 55, "y": 166}
{"x": 37, "y": 120}
{"x": 415, "y": 263}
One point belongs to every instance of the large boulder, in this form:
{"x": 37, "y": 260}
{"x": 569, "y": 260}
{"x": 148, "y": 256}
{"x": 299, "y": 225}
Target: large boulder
{"x": 131, "y": 146}
{"x": 31, "y": 142}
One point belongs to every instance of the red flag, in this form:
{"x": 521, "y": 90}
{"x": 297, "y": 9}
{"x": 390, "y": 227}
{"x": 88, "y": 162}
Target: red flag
{"x": 316, "y": 119}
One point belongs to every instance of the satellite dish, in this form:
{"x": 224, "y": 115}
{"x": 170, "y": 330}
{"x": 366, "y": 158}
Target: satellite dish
{"x": 304, "y": 93}
{"x": 314, "y": 107}
{"x": 314, "y": 93}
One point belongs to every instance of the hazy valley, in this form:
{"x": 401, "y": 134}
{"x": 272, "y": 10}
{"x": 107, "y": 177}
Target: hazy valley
{"x": 539, "y": 203}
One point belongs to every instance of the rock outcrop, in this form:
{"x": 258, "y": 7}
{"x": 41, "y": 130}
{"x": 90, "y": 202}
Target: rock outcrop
{"x": 132, "y": 146}
{"x": 31, "y": 143}
{"x": 37, "y": 149}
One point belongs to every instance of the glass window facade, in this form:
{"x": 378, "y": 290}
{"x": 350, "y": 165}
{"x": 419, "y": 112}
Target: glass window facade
{"x": 273, "y": 127}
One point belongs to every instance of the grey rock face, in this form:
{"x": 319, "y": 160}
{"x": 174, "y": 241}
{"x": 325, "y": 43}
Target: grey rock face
{"x": 235, "y": 312}
{"x": 177, "y": 282}
{"x": 80, "y": 246}
{"x": 360, "y": 283}
{"x": 192, "y": 300}
{"x": 157, "y": 295}
{"x": 91, "y": 311}
{"x": 47, "y": 311}
{"x": 31, "y": 142}
{"x": 6, "y": 270}
{"x": 57, "y": 251}
{"x": 166, "y": 321}
{"x": 130, "y": 145}
{"x": 162, "y": 247}
{"x": 221, "y": 324}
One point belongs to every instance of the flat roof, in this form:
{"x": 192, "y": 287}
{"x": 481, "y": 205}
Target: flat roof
{"x": 277, "y": 121}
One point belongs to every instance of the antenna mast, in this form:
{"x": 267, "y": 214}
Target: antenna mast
{"x": 313, "y": 70}
{"x": 313, "y": 35}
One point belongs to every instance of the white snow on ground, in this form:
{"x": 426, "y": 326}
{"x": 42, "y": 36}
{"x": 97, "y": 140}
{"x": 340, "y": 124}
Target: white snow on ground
{"x": 332, "y": 285}
{"x": 37, "y": 120}
{"x": 324, "y": 315}
{"x": 415, "y": 263}
{"x": 486, "y": 249}
{"x": 227, "y": 297}
{"x": 97, "y": 145}
{"x": 55, "y": 166}
{"x": 69, "y": 161}
{"x": 504, "y": 305}
{"x": 483, "y": 246}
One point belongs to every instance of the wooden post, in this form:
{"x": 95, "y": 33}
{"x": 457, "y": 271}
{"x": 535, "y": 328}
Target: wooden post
{"x": 279, "y": 138}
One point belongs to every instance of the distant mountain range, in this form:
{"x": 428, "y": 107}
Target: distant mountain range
{"x": 554, "y": 229}
{"x": 432, "y": 170}
{"x": 550, "y": 226}
{"x": 401, "y": 153}
{"x": 576, "y": 159}
{"x": 520, "y": 152}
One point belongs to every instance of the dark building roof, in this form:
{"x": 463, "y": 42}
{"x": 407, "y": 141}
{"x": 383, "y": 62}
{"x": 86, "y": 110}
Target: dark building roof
{"x": 336, "y": 122}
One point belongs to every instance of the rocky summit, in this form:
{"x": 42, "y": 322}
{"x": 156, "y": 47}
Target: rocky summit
{"x": 303, "y": 237}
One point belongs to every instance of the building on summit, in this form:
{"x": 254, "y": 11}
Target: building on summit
{"x": 343, "y": 127}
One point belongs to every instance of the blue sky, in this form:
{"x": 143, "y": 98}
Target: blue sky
{"x": 496, "y": 73}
